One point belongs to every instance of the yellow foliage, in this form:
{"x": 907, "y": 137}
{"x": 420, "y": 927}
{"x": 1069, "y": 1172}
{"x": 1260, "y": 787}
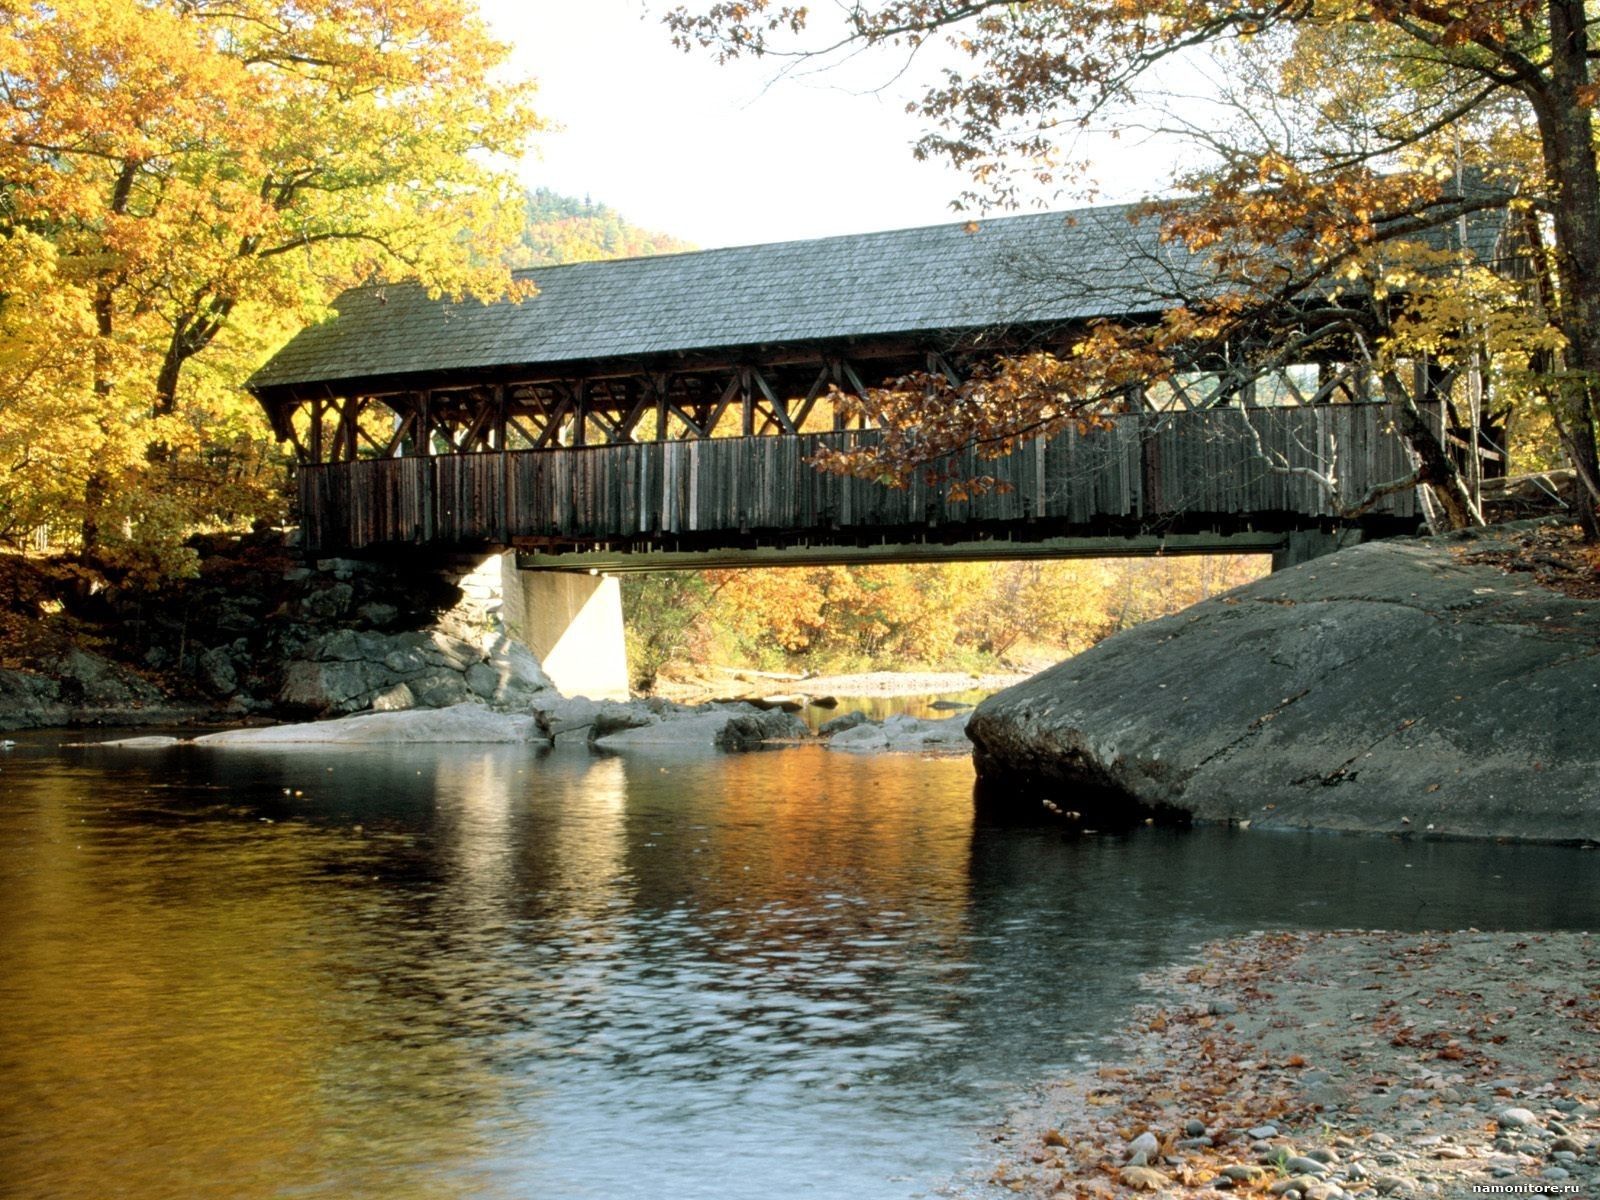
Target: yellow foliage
{"x": 186, "y": 183}
{"x": 945, "y": 614}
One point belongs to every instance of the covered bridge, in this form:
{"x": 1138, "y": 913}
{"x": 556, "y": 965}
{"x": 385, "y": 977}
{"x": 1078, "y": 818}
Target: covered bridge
{"x": 661, "y": 411}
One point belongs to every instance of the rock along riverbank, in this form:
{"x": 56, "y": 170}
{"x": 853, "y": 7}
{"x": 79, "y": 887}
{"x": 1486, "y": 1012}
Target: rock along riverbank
{"x": 1318, "y": 1066}
{"x": 1398, "y": 687}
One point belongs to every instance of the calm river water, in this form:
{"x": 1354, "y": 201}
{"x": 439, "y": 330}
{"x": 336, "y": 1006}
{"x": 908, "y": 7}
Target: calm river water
{"x": 454, "y": 972}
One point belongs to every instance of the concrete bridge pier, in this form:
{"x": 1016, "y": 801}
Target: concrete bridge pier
{"x": 571, "y": 621}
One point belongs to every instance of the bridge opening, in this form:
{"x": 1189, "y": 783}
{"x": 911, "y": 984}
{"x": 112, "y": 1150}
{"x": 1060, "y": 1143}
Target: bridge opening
{"x": 696, "y": 635}
{"x": 687, "y": 634}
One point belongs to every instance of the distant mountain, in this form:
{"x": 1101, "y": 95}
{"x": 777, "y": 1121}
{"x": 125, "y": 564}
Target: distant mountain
{"x": 563, "y": 229}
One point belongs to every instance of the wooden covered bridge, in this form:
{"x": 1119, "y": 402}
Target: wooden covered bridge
{"x": 660, "y": 412}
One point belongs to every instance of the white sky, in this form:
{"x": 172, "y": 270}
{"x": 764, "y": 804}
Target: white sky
{"x": 730, "y": 155}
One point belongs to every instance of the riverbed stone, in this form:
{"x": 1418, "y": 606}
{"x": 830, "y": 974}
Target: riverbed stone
{"x": 615, "y": 716}
{"x": 721, "y": 729}
{"x": 1143, "y": 1179}
{"x": 840, "y": 723}
{"x": 1302, "y": 1165}
{"x": 1142, "y": 1148}
{"x": 905, "y": 733}
{"x": 1294, "y": 1185}
{"x": 565, "y": 716}
{"x": 1394, "y": 687}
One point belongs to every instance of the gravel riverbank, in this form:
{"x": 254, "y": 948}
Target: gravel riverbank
{"x": 1323, "y": 1065}
{"x": 719, "y": 682}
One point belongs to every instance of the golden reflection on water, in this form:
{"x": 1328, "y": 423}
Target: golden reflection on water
{"x": 343, "y": 998}
{"x": 184, "y": 1018}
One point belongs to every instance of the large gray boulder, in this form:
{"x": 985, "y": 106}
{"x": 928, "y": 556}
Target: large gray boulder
{"x": 347, "y": 671}
{"x": 1392, "y": 687}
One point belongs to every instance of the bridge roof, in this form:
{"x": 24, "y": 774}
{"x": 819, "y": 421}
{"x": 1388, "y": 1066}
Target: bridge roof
{"x": 1044, "y": 268}
{"x": 1041, "y": 269}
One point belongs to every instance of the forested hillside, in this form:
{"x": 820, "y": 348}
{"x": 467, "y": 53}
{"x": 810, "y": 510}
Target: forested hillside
{"x": 562, "y": 229}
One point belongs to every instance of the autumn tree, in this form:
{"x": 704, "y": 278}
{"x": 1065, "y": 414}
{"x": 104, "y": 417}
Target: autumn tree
{"x": 1317, "y": 207}
{"x": 185, "y": 182}
{"x": 940, "y": 616}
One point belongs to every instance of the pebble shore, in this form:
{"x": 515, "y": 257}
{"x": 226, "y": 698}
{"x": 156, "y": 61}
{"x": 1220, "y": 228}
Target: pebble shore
{"x": 1316, "y": 1066}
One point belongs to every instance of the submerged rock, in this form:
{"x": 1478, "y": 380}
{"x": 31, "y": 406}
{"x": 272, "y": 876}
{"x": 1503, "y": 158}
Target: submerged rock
{"x": 470, "y": 723}
{"x": 150, "y": 742}
{"x": 1392, "y": 687}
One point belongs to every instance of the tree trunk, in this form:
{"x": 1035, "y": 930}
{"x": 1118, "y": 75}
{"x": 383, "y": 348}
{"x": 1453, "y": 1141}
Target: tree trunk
{"x": 94, "y": 499}
{"x": 1435, "y": 468}
{"x": 166, "y": 401}
{"x": 1569, "y": 155}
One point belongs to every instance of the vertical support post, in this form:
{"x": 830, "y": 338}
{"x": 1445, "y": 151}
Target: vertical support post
{"x": 352, "y": 409}
{"x": 836, "y": 377}
{"x": 316, "y": 429}
{"x": 425, "y": 464}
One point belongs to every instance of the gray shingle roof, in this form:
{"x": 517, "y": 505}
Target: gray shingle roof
{"x": 1044, "y": 269}
{"x": 1048, "y": 267}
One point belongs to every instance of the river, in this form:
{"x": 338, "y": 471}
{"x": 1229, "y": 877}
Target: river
{"x": 500, "y": 973}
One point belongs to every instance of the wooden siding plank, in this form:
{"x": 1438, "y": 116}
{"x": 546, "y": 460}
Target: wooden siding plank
{"x": 1145, "y": 467}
